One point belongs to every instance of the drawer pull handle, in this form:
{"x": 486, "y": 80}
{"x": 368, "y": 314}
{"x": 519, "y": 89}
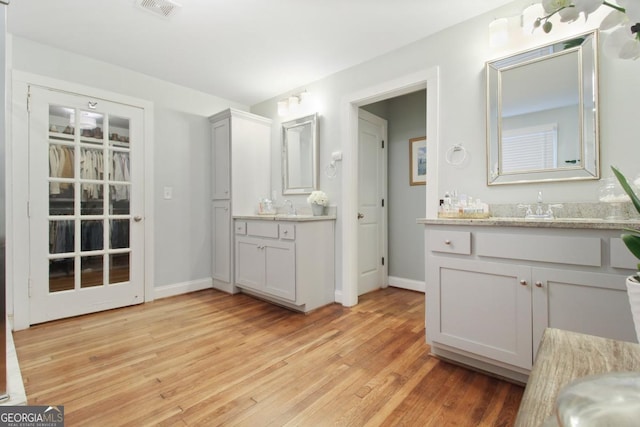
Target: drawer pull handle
{"x": 447, "y": 242}
{"x": 286, "y": 231}
{"x": 523, "y": 282}
{"x": 538, "y": 284}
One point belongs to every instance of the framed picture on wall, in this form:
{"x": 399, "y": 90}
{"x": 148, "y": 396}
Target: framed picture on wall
{"x": 418, "y": 161}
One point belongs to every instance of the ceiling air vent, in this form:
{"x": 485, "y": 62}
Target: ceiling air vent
{"x": 164, "y": 8}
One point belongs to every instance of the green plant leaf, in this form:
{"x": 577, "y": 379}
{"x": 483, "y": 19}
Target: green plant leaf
{"x": 627, "y": 188}
{"x": 633, "y": 243}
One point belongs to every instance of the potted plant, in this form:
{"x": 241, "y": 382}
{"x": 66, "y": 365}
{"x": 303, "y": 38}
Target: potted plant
{"x": 631, "y": 239}
{"x": 318, "y": 200}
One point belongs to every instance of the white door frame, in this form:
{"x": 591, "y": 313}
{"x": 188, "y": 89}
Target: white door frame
{"x": 17, "y": 165}
{"x": 349, "y": 111}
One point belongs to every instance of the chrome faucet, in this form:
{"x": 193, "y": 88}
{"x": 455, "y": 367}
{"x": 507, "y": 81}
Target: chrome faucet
{"x": 541, "y": 212}
{"x": 291, "y": 210}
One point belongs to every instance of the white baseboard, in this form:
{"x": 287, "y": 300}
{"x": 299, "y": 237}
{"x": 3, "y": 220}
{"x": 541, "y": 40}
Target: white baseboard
{"x": 412, "y": 285}
{"x": 338, "y": 296}
{"x": 182, "y": 288}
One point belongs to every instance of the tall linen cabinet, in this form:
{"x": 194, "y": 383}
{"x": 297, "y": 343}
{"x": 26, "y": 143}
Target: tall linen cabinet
{"x": 240, "y": 177}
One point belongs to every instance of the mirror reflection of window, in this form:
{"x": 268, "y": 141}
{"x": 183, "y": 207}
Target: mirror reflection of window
{"x": 531, "y": 99}
{"x": 533, "y": 148}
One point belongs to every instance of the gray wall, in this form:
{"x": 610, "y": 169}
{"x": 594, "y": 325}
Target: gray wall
{"x": 406, "y": 119}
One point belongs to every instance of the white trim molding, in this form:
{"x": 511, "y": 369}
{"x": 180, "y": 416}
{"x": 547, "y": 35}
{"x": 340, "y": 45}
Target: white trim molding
{"x": 412, "y": 285}
{"x": 174, "y": 289}
{"x": 428, "y": 79}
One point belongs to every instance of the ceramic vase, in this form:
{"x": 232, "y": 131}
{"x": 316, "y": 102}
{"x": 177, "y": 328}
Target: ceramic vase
{"x": 633, "y": 292}
{"x": 317, "y": 209}
{"x": 611, "y": 399}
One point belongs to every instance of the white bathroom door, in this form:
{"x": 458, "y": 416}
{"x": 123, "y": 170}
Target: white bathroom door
{"x": 86, "y": 205}
{"x": 371, "y": 207}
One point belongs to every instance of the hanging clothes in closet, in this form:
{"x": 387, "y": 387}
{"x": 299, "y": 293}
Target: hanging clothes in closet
{"x": 91, "y": 168}
{"x": 120, "y": 170}
{"x": 60, "y": 166}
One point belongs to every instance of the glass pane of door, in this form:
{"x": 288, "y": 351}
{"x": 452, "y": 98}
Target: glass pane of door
{"x": 89, "y": 199}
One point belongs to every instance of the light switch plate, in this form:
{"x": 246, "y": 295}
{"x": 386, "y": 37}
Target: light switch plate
{"x": 168, "y": 193}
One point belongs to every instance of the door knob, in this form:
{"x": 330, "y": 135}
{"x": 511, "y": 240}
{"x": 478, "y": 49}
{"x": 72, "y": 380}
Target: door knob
{"x": 137, "y": 218}
{"x": 360, "y": 216}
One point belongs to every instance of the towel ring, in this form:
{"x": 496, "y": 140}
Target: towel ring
{"x": 451, "y": 152}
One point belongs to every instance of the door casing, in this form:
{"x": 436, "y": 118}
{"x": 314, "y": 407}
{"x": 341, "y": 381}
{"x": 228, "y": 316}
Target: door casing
{"x": 17, "y": 173}
{"x": 425, "y": 79}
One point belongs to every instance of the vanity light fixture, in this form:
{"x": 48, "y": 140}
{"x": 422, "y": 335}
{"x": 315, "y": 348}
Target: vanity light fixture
{"x": 291, "y": 104}
{"x": 283, "y": 107}
{"x": 529, "y": 16}
{"x": 294, "y": 102}
{"x": 498, "y": 32}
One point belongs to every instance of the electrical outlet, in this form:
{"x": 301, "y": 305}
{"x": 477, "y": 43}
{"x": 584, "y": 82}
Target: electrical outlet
{"x": 168, "y": 193}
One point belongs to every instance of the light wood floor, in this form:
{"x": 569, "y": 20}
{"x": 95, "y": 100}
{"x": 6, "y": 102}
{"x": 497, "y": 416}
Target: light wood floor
{"x": 208, "y": 358}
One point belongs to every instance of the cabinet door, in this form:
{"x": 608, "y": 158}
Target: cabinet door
{"x": 221, "y": 160}
{"x": 221, "y": 225}
{"x": 280, "y": 269}
{"x": 483, "y": 307}
{"x": 250, "y": 262}
{"x": 584, "y": 302}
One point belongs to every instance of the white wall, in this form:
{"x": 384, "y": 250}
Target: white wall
{"x": 460, "y": 53}
{"x": 181, "y": 154}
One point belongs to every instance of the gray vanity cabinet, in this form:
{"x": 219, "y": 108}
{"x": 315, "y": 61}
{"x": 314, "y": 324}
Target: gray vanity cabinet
{"x": 290, "y": 263}
{"x": 492, "y": 291}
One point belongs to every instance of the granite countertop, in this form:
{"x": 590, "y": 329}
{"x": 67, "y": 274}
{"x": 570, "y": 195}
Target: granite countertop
{"x": 564, "y": 356}
{"x": 585, "y": 223}
{"x": 285, "y": 217}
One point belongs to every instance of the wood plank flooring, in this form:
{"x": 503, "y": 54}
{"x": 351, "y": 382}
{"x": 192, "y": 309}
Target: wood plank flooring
{"x": 208, "y": 358}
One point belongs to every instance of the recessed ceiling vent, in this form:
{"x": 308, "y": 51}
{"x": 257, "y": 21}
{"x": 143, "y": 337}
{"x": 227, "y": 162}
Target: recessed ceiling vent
{"x": 163, "y": 8}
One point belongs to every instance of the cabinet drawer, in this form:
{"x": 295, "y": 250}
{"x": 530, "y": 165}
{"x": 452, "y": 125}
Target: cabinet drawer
{"x": 555, "y": 249}
{"x": 453, "y": 242}
{"x": 620, "y": 255}
{"x": 287, "y": 231}
{"x": 241, "y": 227}
{"x": 262, "y": 229}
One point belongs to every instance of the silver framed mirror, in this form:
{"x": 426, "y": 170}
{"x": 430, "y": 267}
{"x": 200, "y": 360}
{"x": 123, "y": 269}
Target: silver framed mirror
{"x": 300, "y": 158}
{"x": 542, "y": 114}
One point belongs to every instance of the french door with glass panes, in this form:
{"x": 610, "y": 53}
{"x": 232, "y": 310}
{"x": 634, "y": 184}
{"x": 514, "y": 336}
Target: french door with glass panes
{"x": 86, "y": 205}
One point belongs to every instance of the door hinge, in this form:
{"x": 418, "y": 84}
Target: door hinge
{"x": 29, "y": 100}
{"x": 382, "y": 260}
{"x": 383, "y": 143}
{"x": 29, "y": 287}
{"x": 383, "y": 203}
{"x": 28, "y": 210}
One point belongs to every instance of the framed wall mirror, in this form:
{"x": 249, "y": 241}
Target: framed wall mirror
{"x": 542, "y": 114}
{"x": 300, "y": 145}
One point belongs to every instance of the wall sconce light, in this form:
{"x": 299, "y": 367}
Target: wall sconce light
{"x": 291, "y": 104}
{"x": 529, "y": 16}
{"x": 294, "y": 103}
{"x": 283, "y": 107}
{"x": 498, "y": 32}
